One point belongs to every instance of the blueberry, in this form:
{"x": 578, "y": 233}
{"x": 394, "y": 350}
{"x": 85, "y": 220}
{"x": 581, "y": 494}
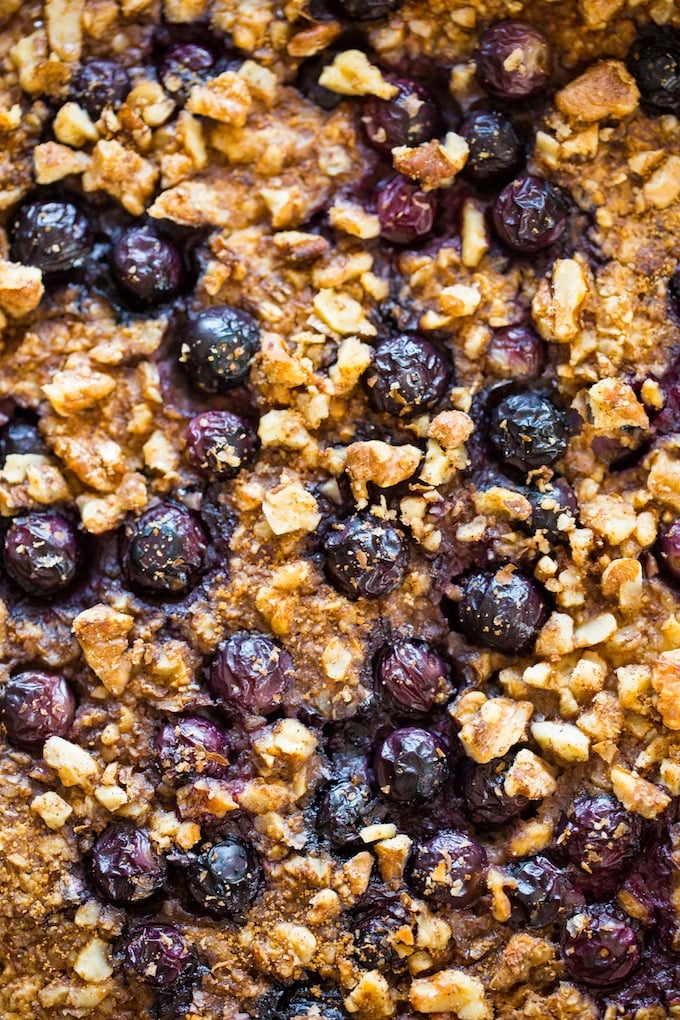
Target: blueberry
{"x": 345, "y": 808}
{"x": 367, "y": 10}
{"x": 515, "y": 352}
{"x": 20, "y": 437}
{"x": 192, "y": 746}
{"x": 599, "y": 948}
{"x": 408, "y": 376}
{"x": 527, "y": 431}
{"x": 411, "y": 675}
{"x": 483, "y": 795}
{"x": 250, "y": 674}
{"x": 163, "y": 550}
{"x": 495, "y": 149}
{"x": 405, "y": 212}
{"x": 374, "y": 942}
{"x": 99, "y": 83}
{"x": 504, "y": 610}
{"x": 37, "y": 706}
{"x": 219, "y": 443}
{"x": 366, "y": 557}
{"x": 600, "y": 837}
{"x": 408, "y": 118}
{"x": 225, "y": 878}
{"x": 147, "y": 266}
{"x": 669, "y": 550}
{"x": 410, "y": 765}
{"x": 654, "y": 61}
{"x": 450, "y": 870}
{"x": 307, "y": 82}
{"x": 182, "y": 66}
{"x": 674, "y": 289}
{"x": 513, "y": 60}
{"x": 217, "y": 347}
{"x": 41, "y": 553}
{"x": 125, "y": 867}
{"x": 157, "y": 955}
{"x": 310, "y": 1002}
{"x": 54, "y": 236}
{"x": 530, "y": 214}
{"x": 553, "y": 510}
{"x": 540, "y": 893}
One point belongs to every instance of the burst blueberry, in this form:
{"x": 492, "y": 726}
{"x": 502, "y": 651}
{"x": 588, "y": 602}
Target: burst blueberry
{"x": 183, "y": 66}
{"x": 407, "y": 376}
{"x": 367, "y": 10}
{"x": 410, "y": 765}
{"x": 502, "y": 610}
{"x": 600, "y": 836}
{"x": 51, "y": 235}
{"x": 217, "y": 347}
{"x": 125, "y": 867}
{"x": 192, "y": 746}
{"x": 669, "y": 550}
{"x": 406, "y": 213}
{"x": 481, "y": 788}
{"x": 366, "y": 557}
{"x": 412, "y": 675}
{"x": 163, "y": 550}
{"x": 540, "y": 893}
{"x": 250, "y": 674}
{"x": 527, "y": 431}
{"x": 449, "y": 870}
{"x": 408, "y": 118}
{"x": 157, "y": 955}
{"x": 530, "y": 214}
{"x": 495, "y": 148}
{"x": 554, "y": 510}
{"x": 219, "y": 444}
{"x": 513, "y": 60}
{"x": 41, "y": 553}
{"x": 147, "y": 265}
{"x": 99, "y": 83}
{"x": 599, "y": 948}
{"x": 37, "y": 705}
{"x": 19, "y": 437}
{"x": 345, "y": 808}
{"x": 225, "y": 878}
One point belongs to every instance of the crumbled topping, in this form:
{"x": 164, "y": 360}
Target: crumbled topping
{"x": 494, "y": 726}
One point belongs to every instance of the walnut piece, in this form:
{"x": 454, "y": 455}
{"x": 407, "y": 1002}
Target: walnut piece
{"x": 451, "y": 991}
{"x": 380, "y": 463}
{"x": 290, "y": 507}
{"x": 604, "y": 91}
{"x": 352, "y": 74}
{"x": 102, "y": 633}
{"x": 226, "y": 99}
{"x": 433, "y": 164}
{"x": 21, "y": 288}
{"x": 121, "y": 173}
{"x": 52, "y": 162}
{"x": 451, "y": 429}
{"x": 666, "y": 683}
{"x": 52, "y": 808}
{"x": 529, "y": 776}
{"x": 495, "y": 727}
{"x": 73, "y": 764}
{"x": 636, "y": 794}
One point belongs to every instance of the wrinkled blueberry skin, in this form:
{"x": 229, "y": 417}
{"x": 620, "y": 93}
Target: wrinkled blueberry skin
{"x": 163, "y": 550}
{"x": 251, "y": 674}
{"x": 406, "y": 213}
{"x": 219, "y": 444}
{"x": 373, "y": 937}
{"x": 410, "y": 765}
{"x": 125, "y": 867}
{"x": 41, "y": 553}
{"x": 366, "y": 10}
{"x": 515, "y": 352}
{"x": 600, "y": 837}
{"x": 225, "y": 878}
{"x": 192, "y": 746}
{"x": 345, "y": 808}
{"x": 407, "y": 376}
{"x": 484, "y": 799}
{"x": 410, "y": 675}
{"x": 157, "y": 955}
{"x": 512, "y": 78}
{"x": 504, "y": 610}
{"x": 450, "y": 870}
{"x": 529, "y": 214}
{"x": 654, "y": 61}
{"x": 495, "y": 148}
{"x": 37, "y": 706}
{"x": 53, "y": 236}
{"x": 527, "y": 431}
{"x": 99, "y": 83}
{"x": 183, "y": 66}
{"x": 408, "y": 118}
{"x": 599, "y": 948}
{"x": 669, "y": 550}
{"x": 147, "y": 266}
{"x": 541, "y": 893}
{"x": 365, "y": 557}
{"x": 217, "y": 347}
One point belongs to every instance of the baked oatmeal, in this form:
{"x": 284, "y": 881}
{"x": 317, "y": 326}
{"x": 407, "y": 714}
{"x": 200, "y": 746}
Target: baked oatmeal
{"x": 340, "y": 497}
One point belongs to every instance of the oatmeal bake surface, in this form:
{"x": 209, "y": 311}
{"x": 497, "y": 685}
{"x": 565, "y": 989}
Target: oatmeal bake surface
{"x": 340, "y": 470}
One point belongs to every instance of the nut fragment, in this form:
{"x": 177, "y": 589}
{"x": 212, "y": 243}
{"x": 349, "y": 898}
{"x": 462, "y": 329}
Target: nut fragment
{"x": 563, "y": 741}
{"x": 289, "y": 507}
{"x": 52, "y": 808}
{"x": 604, "y": 91}
{"x": 636, "y": 794}
{"x": 352, "y": 74}
{"x": 666, "y": 683}
{"x": 433, "y": 164}
{"x": 498, "y": 724}
{"x": 102, "y": 634}
{"x": 73, "y": 764}
{"x": 21, "y": 288}
{"x": 380, "y": 463}
{"x": 451, "y": 991}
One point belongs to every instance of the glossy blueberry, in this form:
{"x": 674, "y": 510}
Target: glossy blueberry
{"x": 483, "y": 795}
{"x": 41, "y": 553}
{"x": 365, "y": 557}
{"x": 513, "y": 60}
{"x": 405, "y": 212}
{"x": 37, "y": 706}
{"x": 224, "y": 879}
{"x": 411, "y": 675}
{"x": 495, "y": 148}
{"x": 20, "y": 437}
{"x": 374, "y": 942}
{"x": 408, "y": 118}
{"x": 599, "y": 948}
{"x": 450, "y": 870}
{"x": 311, "y": 1002}
{"x": 407, "y": 376}
{"x": 530, "y": 214}
{"x": 99, "y": 83}
{"x": 553, "y": 510}
{"x": 515, "y": 352}
{"x": 654, "y": 61}
{"x": 54, "y": 236}
{"x": 250, "y": 674}
{"x": 410, "y": 765}
{"x": 669, "y": 550}
{"x": 367, "y": 10}
{"x": 192, "y": 746}
{"x": 217, "y": 347}
{"x": 125, "y": 867}
{"x": 345, "y": 808}
{"x": 600, "y": 836}
{"x": 183, "y": 66}
{"x": 527, "y": 431}
{"x": 540, "y": 893}
{"x": 147, "y": 266}
{"x": 163, "y": 550}
{"x": 504, "y": 610}
{"x": 219, "y": 443}
{"x": 157, "y": 955}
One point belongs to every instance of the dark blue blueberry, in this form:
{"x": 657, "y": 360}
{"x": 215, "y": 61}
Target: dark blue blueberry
{"x": 99, "y": 83}
{"x": 345, "y": 808}
{"x": 527, "y": 431}
{"x": 449, "y": 870}
{"x": 225, "y": 878}
{"x": 183, "y": 66}
{"x": 482, "y": 792}
{"x": 41, "y": 553}
{"x": 407, "y": 376}
{"x": 599, "y": 948}
{"x": 217, "y": 347}
{"x": 504, "y": 610}
{"x": 366, "y": 557}
{"x": 674, "y": 289}
{"x": 366, "y": 10}
{"x": 219, "y": 443}
{"x": 374, "y": 930}
{"x": 250, "y": 674}
{"x": 125, "y": 867}
{"x": 163, "y": 550}
{"x": 530, "y": 214}
{"x": 654, "y": 60}
{"x": 20, "y": 437}
{"x": 515, "y": 352}
{"x": 495, "y": 148}
{"x": 553, "y": 510}
{"x": 157, "y": 955}
{"x": 147, "y": 266}
{"x": 311, "y": 1002}
{"x": 669, "y": 550}
{"x": 54, "y": 236}
{"x": 600, "y": 837}
{"x": 408, "y": 118}
{"x": 406, "y": 213}
{"x": 37, "y": 706}
{"x": 513, "y": 60}
{"x": 410, "y": 765}
{"x": 411, "y": 675}
{"x": 192, "y": 746}
{"x": 540, "y": 893}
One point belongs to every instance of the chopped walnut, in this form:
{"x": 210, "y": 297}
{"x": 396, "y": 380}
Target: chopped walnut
{"x": 314, "y": 39}
{"x": 663, "y": 480}
{"x": 557, "y": 304}
{"x": 353, "y": 358}
{"x": 52, "y": 162}
{"x": 64, "y": 32}
{"x": 352, "y": 74}
{"x": 380, "y": 463}
{"x": 121, "y": 173}
{"x": 604, "y": 719}
{"x": 666, "y": 683}
{"x": 73, "y": 126}
{"x": 342, "y": 313}
{"x": 102, "y": 633}
{"x": 73, "y": 764}
{"x": 498, "y": 724}
{"x": 226, "y": 99}
{"x": 433, "y": 164}
{"x": 623, "y": 579}
{"x": 565, "y": 742}
{"x": 298, "y": 246}
{"x": 352, "y": 219}
{"x": 93, "y": 963}
{"x": 52, "y": 808}
{"x": 610, "y": 516}
{"x": 78, "y": 387}
{"x": 529, "y": 776}
{"x": 290, "y": 507}
{"x": 663, "y": 187}
{"x": 605, "y": 91}
{"x": 451, "y": 429}
{"x": 459, "y": 300}
{"x": 287, "y": 742}
{"x": 393, "y": 855}
{"x": 21, "y": 288}
{"x": 613, "y": 407}
{"x": 474, "y": 234}
{"x": 498, "y": 501}
{"x": 636, "y": 794}
{"x": 451, "y": 991}
{"x": 372, "y": 995}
